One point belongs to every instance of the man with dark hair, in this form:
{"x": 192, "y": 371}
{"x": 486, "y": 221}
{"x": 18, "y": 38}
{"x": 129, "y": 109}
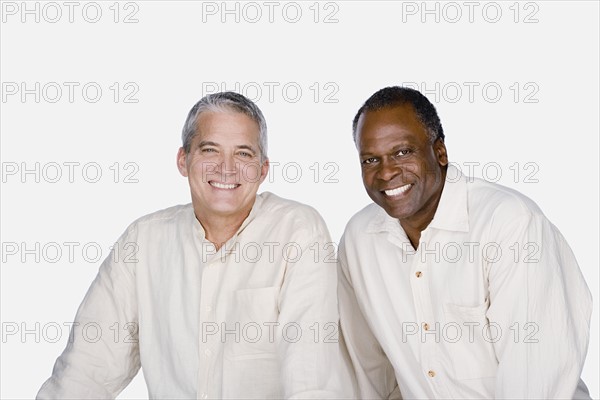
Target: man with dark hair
{"x": 449, "y": 286}
{"x": 395, "y": 96}
{"x": 220, "y": 298}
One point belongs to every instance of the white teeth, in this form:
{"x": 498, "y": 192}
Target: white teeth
{"x": 397, "y": 191}
{"x": 223, "y": 185}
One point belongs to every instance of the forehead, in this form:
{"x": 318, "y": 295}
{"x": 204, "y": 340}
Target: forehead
{"x": 221, "y": 126}
{"x": 395, "y": 123}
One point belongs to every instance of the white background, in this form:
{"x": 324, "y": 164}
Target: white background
{"x": 177, "y": 51}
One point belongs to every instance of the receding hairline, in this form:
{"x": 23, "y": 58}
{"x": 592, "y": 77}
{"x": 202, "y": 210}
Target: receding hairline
{"x": 226, "y": 109}
{"x": 396, "y": 104}
{"x": 399, "y": 104}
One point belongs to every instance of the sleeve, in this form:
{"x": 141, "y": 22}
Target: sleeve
{"x": 541, "y": 306}
{"x": 99, "y": 361}
{"x": 374, "y": 373}
{"x": 313, "y": 363}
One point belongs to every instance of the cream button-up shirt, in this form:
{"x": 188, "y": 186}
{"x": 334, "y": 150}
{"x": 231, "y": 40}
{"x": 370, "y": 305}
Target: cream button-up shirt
{"x": 492, "y": 304}
{"x": 256, "y": 319}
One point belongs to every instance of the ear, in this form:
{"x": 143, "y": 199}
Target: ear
{"x": 440, "y": 151}
{"x": 182, "y": 162}
{"x": 264, "y": 170}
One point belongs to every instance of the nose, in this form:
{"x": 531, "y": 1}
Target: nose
{"x": 228, "y": 164}
{"x": 388, "y": 169}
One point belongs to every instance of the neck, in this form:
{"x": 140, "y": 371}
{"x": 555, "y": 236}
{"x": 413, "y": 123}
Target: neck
{"x": 220, "y": 228}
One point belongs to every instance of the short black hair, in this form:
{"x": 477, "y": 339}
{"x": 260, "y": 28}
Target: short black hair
{"x": 398, "y": 95}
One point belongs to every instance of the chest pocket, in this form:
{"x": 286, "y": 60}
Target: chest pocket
{"x": 253, "y": 326}
{"x": 251, "y": 368}
{"x": 471, "y": 350}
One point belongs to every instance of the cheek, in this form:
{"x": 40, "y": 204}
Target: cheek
{"x": 413, "y": 167}
{"x": 251, "y": 172}
{"x": 204, "y": 168}
{"x": 367, "y": 177}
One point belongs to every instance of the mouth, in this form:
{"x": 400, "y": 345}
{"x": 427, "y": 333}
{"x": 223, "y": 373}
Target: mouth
{"x": 397, "y": 191}
{"x": 224, "y": 186}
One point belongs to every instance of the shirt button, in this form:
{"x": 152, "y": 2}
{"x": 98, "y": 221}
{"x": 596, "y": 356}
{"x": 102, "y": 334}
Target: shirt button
{"x": 426, "y": 327}
{"x": 418, "y": 274}
{"x": 207, "y": 352}
{"x": 204, "y": 396}
{"x": 431, "y": 373}
{"x": 209, "y": 308}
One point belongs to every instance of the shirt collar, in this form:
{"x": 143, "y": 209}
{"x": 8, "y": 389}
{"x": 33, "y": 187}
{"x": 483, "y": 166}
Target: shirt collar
{"x": 451, "y": 214}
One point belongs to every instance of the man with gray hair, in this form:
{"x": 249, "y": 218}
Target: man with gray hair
{"x": 221, "y": 298}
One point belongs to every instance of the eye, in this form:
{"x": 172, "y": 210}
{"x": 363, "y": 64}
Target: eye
{"x": 368, "y": 161}
{"x": 403, "y": 152}
{"x": 246, "y": 154}
{"x": 208, "y": 150}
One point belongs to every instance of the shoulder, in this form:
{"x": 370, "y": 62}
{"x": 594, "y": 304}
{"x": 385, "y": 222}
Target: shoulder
{"x": 364, "y": 220}
{"x": 290, "y": 213}
{"x": 171, "y": 216}
{"x": 496, "y": 201}
{"x": 364, "y": 217}
{"x": 279, "y": 207}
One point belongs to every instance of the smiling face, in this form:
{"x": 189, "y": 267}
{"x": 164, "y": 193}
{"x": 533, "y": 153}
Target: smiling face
{"x": 402, "y": 171}
{"x": 224, "y": 166}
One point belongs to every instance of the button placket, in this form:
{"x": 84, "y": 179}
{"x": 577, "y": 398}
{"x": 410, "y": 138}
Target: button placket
{"x": 208, "y": 295}
{"x": 425, "y": 316}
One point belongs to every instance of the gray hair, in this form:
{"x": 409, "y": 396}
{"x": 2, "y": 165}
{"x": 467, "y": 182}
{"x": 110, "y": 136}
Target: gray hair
{"x": 223, "y": 102}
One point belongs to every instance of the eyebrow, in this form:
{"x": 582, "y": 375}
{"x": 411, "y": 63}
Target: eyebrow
{"x": 401, "y": 145}
{"x": 207, "y": 143}
{"x": 214, "y": 144}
